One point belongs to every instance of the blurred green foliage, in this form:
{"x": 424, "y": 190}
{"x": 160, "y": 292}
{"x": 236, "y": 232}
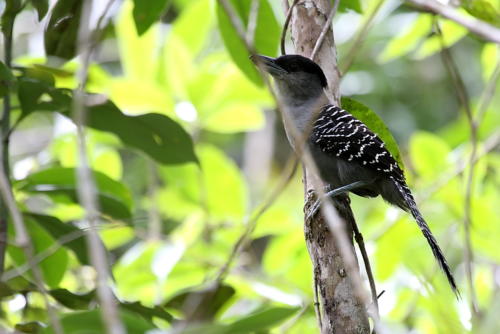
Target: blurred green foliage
{"x": 184, "y": 149}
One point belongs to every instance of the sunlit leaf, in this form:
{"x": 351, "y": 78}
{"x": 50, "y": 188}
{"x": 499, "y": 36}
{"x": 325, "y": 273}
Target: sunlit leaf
{"x": 484, "y": 10}
{"x": 387, "y": 260}
{"x": 138, "y": 54}
{"x": 451, "y": 33}
{"x": 408, "y": 39}
{"x": 140, "y": 96}
{"x": 198, "y": 11}
{"x": 266, "y": 36}
{"x": 490, "y": 58}
{"x": 102, "y": 155}
{"x": 235, "y": 118}
{"x": 429, "y": 154}
{"x": 134, "y": 275}
{"x": 374, "y": 123}
{"x": 223, "y": 183}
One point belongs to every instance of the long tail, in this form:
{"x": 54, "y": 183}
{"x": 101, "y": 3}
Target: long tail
{"x": 436, "y": 250}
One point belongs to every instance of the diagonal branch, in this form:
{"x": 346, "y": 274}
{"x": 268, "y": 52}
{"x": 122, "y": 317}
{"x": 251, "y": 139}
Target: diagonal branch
{"x": 475, "y": 26}
{"x": 289, "y": 11}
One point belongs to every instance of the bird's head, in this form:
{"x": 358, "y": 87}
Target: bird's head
{"x": 294, "y": 75}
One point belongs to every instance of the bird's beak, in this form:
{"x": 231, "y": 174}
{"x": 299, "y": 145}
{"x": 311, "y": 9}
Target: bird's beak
{"x": 268, "y": 64}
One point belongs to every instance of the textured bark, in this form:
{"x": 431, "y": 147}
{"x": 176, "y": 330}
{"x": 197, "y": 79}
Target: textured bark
{"x": 339, "y": 311}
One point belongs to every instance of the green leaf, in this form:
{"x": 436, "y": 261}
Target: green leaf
{"x": 225, "y": 100}
{"x": 258, "y": 322}
{"x": 221, "y": 183}
{"x": 35, "y": 95}
{"x": 451, "y": 33}
{"x": 147, "y": 312}
{"x": 199, "y": 11}
{"x": 138, "y": 54}
{"x": 54, "y": 262}
{"x": 59, "y": 230}
{"x": 114, "y": 198}
{"x": 483, "y": 10}
{"x": 148, "y": 12}
{"x": 41, "y": 6}
{"x": 84, "y": 302}
{"x": 61, "y": 34}
{"x": 6, "y": 79}
{"x": 266, "y": 38}
{"x": 72, "y": 300}
{"x": 29, "y": 327}
{"x": 346, "y": 5}
{"x": 156, "y": 135}
{"x": 490, "y": 56}
{"x": 210, "y": 298}
{"x": 134, "y": 275}
{"x": 262, "y": 320}
{"x": 12, "y": 8}
{"x": 374, "y": 123}
{"x": 6, "y": 290}
{"x": 90, "y": 322}
{"x": 408, "y": 39}
{"x": 429, "y": 154}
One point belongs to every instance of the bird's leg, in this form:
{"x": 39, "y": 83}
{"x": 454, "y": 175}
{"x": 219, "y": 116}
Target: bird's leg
{"x": 335, "y": 192}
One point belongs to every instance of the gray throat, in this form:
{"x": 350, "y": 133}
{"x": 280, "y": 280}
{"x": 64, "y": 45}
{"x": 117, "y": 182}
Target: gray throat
{"x": 303, "y": 114}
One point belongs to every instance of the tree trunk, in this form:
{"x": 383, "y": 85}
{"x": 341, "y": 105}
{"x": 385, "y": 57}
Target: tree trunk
{"x": 339, "y": 310}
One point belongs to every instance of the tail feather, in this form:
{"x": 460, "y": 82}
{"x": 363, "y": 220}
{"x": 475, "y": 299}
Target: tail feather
{"x": 422, "y": 224}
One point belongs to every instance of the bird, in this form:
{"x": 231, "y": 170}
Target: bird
{"x": 348, "y": 155}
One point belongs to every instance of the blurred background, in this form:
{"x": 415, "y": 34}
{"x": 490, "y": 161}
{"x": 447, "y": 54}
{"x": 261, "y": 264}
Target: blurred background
{"x": 170, "y": 227}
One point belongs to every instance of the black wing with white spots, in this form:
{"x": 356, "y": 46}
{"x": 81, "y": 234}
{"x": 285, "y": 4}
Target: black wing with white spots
{"x": 339, "y": 134}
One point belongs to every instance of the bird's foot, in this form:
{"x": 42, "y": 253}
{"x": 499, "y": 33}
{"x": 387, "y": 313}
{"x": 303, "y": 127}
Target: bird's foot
{"x": 329, "y": 193}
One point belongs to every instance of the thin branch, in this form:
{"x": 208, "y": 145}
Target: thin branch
{"x": 488, "y": 93}
{"x": 290, "y": 169}
{"x": 86, "y": 183}
{"x": 4, "y": 137}
{"x": 478, "y": 27}
{"x": 366, "y": 260}
{"x": 39, "y": 257}
{"x": 252, "y": 21}
{"x": 286, "y": 5}
{"x": 23, "y": 240}
{"x": 360, "y": 37}
{"x": 326, "y": 28}
{"x": 289, "y": 11}
{"x": 465, "y": 102}
{"x": 7, "y": 201}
